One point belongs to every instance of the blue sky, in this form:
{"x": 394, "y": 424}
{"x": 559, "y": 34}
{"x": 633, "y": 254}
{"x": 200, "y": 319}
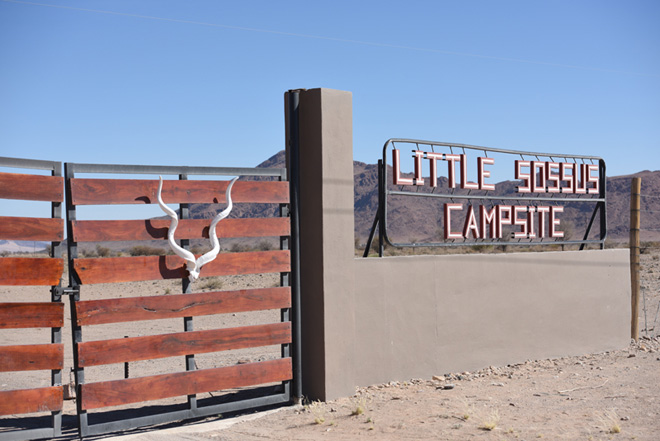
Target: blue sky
{"x": 202, "y": 82}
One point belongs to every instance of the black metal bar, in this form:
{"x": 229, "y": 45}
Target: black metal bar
{"x": 591, "y": 222}
{"x": 132, "y": 423}
{"x": 498, "y": 243}
{"x": 492, "y": 198}
{"x": 56, "y": 333}
{"x": 372, "y": 233}
{"x": 603, "y": 205}
{"x": 25, "y": 434}
{"x": 382, "y": 205}
{"x": 489, "y": 149}
{"x": 35, "y": 164}
{"x": 377, "y": 218}
{"x": 188, "y": 324}
{"x": 285, "y": 280}
{"x": 293, "y": 166}
{"x": 173, "y": 170}
{"x": 74, "y": 285}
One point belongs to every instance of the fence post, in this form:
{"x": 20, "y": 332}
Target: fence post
{"x": 635, "y": 190}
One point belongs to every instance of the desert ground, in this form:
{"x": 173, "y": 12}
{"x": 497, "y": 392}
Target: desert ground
{"x": 604, "y": 396}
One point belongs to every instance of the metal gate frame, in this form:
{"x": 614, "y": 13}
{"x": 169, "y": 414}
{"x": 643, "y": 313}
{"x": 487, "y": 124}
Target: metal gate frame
{"x": 280, "y": 395}
{"x": 48, "y": 315}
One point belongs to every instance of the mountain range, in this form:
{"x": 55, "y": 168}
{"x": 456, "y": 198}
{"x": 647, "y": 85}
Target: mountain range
{"x": 416, "y": 219}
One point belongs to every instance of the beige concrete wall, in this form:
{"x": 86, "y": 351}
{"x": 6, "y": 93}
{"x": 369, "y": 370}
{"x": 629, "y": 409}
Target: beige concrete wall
{"x": 420, "y": 316}
{"x": 367, "y": 321}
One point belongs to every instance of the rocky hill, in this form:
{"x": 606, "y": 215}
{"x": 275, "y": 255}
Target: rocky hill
{"x": 419, "y": 218}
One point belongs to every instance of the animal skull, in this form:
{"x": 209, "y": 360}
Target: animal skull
{"x": 195, "y": 266}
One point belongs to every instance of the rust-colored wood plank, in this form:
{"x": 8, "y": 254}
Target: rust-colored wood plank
{"x": 134, "y": 390}
{"x": 128, "y": 309}
{"x": 31, "y": 187}
{"x": 31, "y": 357}
{"x": 31, "y": 228}
{"x": 139, "y": 191}
{"x": 151, "y": 347}
{"x": 31, "y": 315}
{"x": 254, "y": 262}
{"x": 18, "y": 271}
{"x": 45, "y": 399}
{"x": 154, "y": 229}
{"x": 132, "y": 269}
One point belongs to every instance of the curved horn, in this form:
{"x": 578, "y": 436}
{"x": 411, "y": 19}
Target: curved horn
{"x": 189, "y": 257}
{"x": 209, "y": 256}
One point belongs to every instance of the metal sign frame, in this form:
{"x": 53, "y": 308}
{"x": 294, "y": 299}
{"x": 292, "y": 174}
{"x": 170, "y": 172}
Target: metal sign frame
{"x": 381, "y": 221}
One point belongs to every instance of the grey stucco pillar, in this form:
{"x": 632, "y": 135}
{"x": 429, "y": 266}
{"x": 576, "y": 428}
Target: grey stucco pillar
{"x": 326, "y": 242}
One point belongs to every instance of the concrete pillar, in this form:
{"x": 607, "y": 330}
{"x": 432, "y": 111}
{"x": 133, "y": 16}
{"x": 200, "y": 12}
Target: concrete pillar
{"x": 326, "y": 242}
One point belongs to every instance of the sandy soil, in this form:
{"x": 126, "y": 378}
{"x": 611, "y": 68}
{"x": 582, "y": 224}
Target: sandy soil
{"x": 606, "y": 396}
{"x": 612, "y": 395}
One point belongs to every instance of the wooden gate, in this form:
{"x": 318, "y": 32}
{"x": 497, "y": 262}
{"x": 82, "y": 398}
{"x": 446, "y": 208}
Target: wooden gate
{"x": 109, "y": 401}
{"x": 26, "y": 410}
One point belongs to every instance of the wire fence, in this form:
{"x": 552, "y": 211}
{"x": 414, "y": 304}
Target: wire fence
{"x": 650, "y": 264}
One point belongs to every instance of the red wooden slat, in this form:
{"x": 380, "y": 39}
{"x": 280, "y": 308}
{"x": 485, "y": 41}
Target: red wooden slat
{"x": 96, "y": 312}
{"x": 150, "y": 347}
{"x": 31, "y": 228}
{"x": 31, "y": 357}
{"x": 45, "y": 399}
{"x": 31, "y": 315}
{"x": 150, "y": 229}
{"x": 131, "y": 269}
{"x": 133, "y": 390}
{"x": 137, "y": 191}
{"x": 31, "y": 187}
{"x": 17, "y": 271}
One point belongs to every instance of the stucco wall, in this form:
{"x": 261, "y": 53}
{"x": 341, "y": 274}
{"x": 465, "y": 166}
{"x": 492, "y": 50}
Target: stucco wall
{"x": 420, "y": 316}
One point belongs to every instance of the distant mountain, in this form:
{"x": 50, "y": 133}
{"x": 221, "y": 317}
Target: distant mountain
{"x": 19, "y": 246}
{"x": 419, "y": 218}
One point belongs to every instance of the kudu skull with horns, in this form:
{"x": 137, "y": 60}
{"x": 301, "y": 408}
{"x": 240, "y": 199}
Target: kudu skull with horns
{"x": 195, "y": 266}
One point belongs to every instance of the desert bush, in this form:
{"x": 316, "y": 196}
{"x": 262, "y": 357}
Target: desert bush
{"x": 264, "y": 245}
{"x": 88, "y": 254}
{"x": 102, "y": 251}
{"x": 238, "y": 248}
{"x": 145, "y": 250}
{"x": 212, "y": 283}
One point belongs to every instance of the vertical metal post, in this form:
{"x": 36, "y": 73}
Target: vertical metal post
{"x": 377, "y": 219}
{"x": 74, "y": 284}
{"x": 186, "y": 289}
{"x": 635, "y": 190}
{"x": 285, "y": 280}
{"x": 56, "y": 296}
{"x": 603, "y": 205}
{"x": 126, "y": 366}
{"x": 293, "y": 167}
{"x": 381, "y": 206}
